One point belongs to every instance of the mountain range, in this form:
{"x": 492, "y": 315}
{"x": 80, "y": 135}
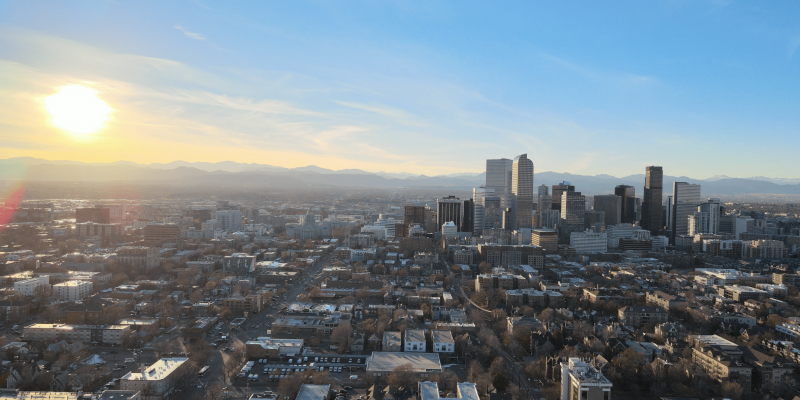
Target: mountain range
{"x": 234, "y": 174}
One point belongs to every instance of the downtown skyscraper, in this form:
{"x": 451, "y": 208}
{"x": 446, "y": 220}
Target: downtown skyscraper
{"x": 651, "y": 204}
{"x": 498, "y": 175}
{"x": 522, "y": 188}
{"x": 685, "y": 199}
{"x": 628, "y": 195}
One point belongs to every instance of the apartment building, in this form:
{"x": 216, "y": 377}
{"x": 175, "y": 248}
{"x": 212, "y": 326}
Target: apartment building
{"x": 637, "y": 316}
{"x": 73, "y": 291}
{"x": 666, "y": 301}
{"x": 502, "y": 280}
{"x": 158, "y": 380}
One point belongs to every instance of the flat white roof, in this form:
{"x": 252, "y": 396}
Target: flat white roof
{"x": 157, "y": 371}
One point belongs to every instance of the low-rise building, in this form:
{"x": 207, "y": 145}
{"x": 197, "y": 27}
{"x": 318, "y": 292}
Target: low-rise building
{"x": 272, "y": 348}
{"x": 415, "y": 340}
{"x": 666, "y": 301}
{"x": 637, "y": 316}
{"x": 443, "y": 341}
{"x": 392, "y": 342}
{"x": 582, "y": 381}
{"x": 158, "y": 380}
{"x": 503, "y": 280}
{"x": 381, "y": 364}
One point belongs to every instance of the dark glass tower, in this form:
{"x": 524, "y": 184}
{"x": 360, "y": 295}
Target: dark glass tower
{"x": 628, "y": 194}
{"x": 651, "y": 204}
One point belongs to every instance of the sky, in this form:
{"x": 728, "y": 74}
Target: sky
{"x": 702, "y": 88}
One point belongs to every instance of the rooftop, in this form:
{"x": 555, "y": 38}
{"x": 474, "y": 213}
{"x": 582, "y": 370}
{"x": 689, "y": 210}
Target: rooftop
{"x": 157, "y": 371}
{"x": 387, "y": 361}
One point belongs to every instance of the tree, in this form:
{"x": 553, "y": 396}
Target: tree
{"x": 731, "y": 390}
{"x": 485, "y": 267}
{"x": 500, "y": 382}
{"x": 196, "y": 296}
{"x": 402, "y": 376}
{"x": 341, "y": 336}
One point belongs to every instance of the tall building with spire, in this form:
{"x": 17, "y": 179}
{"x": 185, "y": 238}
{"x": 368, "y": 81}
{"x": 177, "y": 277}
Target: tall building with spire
{"x": 522, "y": 188}
{"x": 651, "y": 204}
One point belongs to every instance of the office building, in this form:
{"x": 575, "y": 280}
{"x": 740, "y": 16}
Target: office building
{"x": 89, "y": 229}
{"x": 686, "y": 198}
{"x": 449, "y": 209}
{"x": 611, "y": 205}
{"x": 558, "y": 190}
{"x": 543, "y": 201}
{"x": 549, "y": 218}
{"x": 667, "y": 213}
{"x": 478, "y": 211}
{"x": 581, "y": 381}
{"x": 522, "y": 188}
{"x": 651, "y": 203}
{"x": 498, "y": 175}
{"x": 449, "y": 230}
{"x": 706, "y": 219}
{"x": 467, "y": 216}
{"x": 545, "y": 238}
{"x": 628, "y": 196}
{"x": 158, "y": 234}
{"x": 95, "y": 214}
{"x": 589, "y": 242}
{"x": 138, "y": 257}
{"x": 230, "y": 220}
{"x": 573, "y": 207}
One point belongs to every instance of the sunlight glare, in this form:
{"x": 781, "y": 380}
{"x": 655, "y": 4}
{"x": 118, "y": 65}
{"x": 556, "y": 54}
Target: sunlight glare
{"x": 77, "y": 109}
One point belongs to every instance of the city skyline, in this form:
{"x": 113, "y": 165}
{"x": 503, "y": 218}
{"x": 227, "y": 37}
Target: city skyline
{"x": 312, "y": 84}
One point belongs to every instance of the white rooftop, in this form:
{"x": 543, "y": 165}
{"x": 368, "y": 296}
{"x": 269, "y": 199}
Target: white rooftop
{"x": 157, "y": 371}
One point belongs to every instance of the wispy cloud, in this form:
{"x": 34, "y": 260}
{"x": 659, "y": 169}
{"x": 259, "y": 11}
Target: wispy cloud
{"x": 394, "y": 113}
{"x": 598, "y": 75}
{"x": 794, "y": 44}
{"x": 192, "y": 35}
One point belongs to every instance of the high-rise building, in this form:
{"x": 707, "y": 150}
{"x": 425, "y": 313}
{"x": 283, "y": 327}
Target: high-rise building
{"x": 230, "y": 220}
{"x": 685, "y": 198}
{"x": 668, "y": 213}
{"x": 94, "y": 214}
{"x": 478, "y": 194}
{"x": 573, "y": 207}
{"x": 628, "y": 195}
{"x": 612, "y": 206}
{"x": 581, "y": 381}
{"x": 522, "y": 188}
{"x": 498, "y": 175}
{"x": 557, "y": 191}
{"x": 706, "y": 219}
{"x": 449, "y": 209}
{"x": 651, "y": 203}
{"x": 467, "y": 216}
{"x": 543, "y": 203}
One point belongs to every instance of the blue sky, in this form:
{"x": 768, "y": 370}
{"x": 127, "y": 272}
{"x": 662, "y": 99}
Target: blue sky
{"x": 702, "y": 88}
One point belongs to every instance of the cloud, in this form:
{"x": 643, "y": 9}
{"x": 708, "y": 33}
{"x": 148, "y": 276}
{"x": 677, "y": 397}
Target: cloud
{"x": 794, "y": 44}
{"x": 195, "y": 36}
{"x": 597, "y": 75}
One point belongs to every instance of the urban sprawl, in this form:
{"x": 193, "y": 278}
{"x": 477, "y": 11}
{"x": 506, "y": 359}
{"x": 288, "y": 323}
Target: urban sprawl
{"x": 512, "y": 291}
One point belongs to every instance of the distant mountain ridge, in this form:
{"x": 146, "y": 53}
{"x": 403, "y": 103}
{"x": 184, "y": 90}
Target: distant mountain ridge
{"x": 229, "y": 174}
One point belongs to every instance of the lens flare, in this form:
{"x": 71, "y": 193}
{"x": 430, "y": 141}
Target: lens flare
{"x": 78, "y": 110}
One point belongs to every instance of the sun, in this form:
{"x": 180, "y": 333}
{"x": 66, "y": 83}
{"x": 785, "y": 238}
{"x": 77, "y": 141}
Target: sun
{"x": 78, "y": 110}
